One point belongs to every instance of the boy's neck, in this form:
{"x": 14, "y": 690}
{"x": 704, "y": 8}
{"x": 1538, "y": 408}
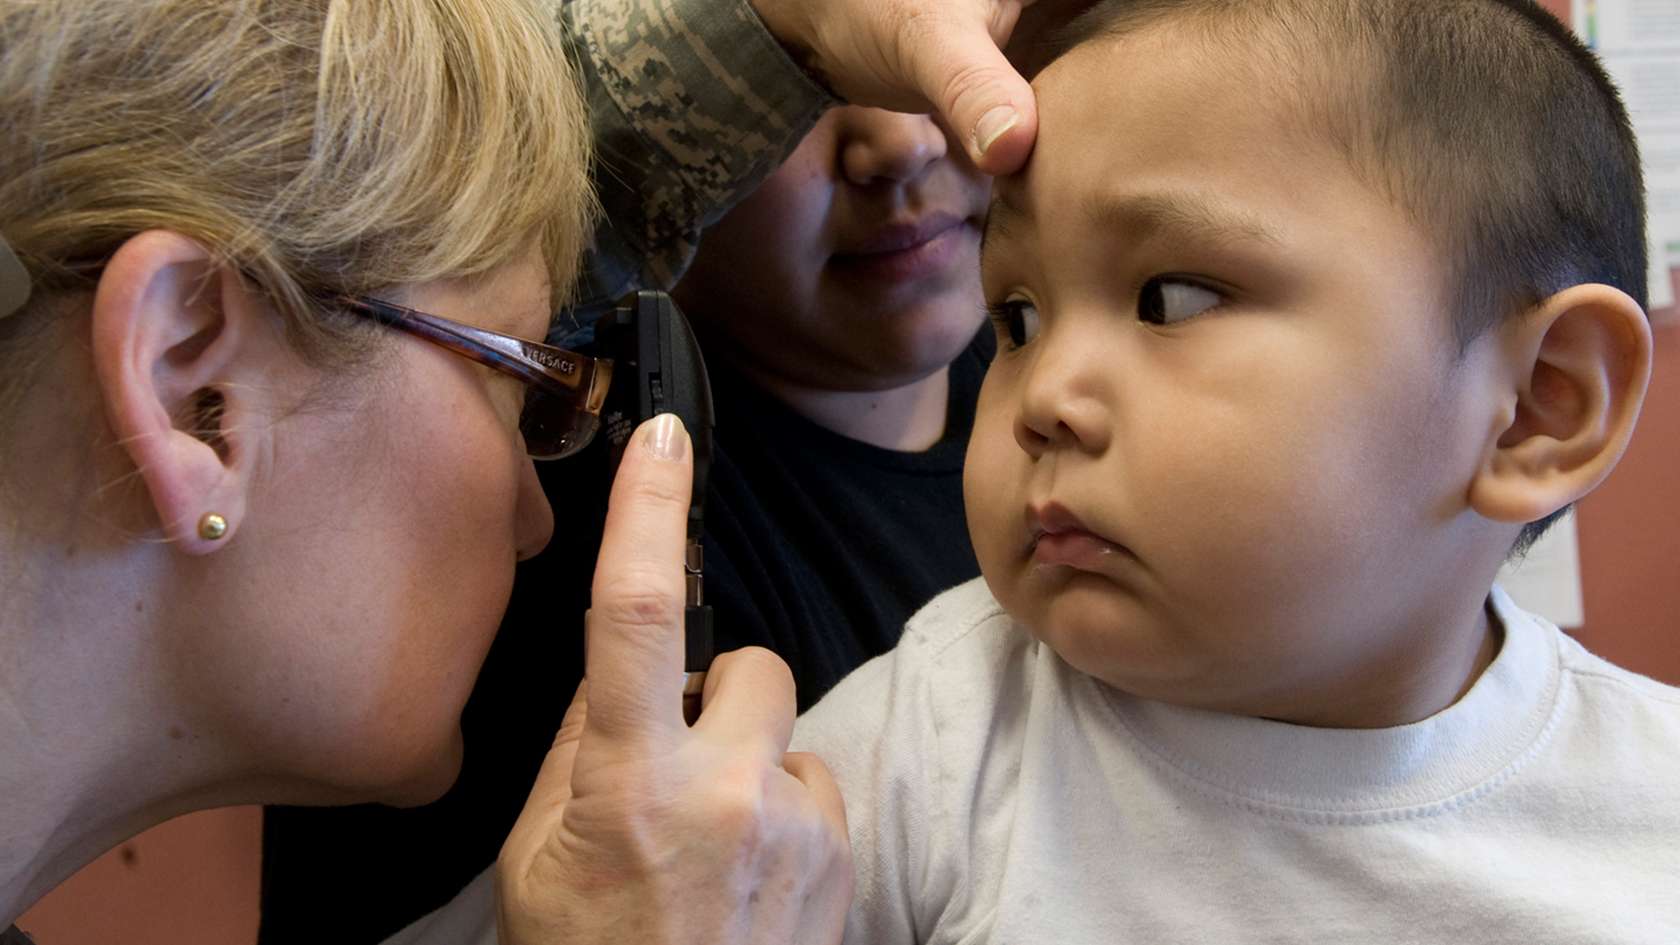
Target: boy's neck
{"x": 1387, "y": 697}
{"x": 1454, "y": 671}
{"x": 908, "y": 419}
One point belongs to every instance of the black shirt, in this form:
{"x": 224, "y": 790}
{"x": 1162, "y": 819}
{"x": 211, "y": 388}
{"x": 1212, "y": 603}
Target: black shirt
{"x": 821, "y": 547}
{"x": 817, "y": 546}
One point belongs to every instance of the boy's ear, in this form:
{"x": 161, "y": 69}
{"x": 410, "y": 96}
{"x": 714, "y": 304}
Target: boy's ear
{"x": 1580, "y": 362}
{"x": 179, "y": 345}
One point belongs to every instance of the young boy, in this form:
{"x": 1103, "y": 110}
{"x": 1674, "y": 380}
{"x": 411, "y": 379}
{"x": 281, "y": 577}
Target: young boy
{"x": 1308, "y": 311}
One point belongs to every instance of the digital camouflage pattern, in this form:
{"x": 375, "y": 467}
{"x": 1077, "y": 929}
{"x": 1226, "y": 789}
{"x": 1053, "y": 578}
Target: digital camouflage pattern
{"x": 693, "y": 103}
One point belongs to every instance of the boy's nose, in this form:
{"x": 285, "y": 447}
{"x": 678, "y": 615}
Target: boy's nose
{"x": 1061, "y": 405}
{"x": 878, "y": 145}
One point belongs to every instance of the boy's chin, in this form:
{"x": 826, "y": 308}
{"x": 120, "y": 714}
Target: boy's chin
{"x": 1103, "y": 631}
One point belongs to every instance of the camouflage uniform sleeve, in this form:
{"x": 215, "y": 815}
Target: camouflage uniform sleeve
{"x": 692, "y": 103}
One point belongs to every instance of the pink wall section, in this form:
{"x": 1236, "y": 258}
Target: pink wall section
{"x": 193, "y": 881}
{"x": 1630, "y": 536}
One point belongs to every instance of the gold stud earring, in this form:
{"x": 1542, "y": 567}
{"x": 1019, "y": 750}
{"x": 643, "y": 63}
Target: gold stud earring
{"x": 212, "y": 526}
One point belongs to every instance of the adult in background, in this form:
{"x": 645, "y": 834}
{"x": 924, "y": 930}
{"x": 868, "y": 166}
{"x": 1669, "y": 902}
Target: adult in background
{"x": 838, "y": 306}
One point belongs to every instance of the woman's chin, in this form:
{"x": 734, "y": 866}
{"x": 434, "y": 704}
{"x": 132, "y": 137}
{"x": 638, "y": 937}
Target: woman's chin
{"x": 431, "y": 777}
{"x": 413, "y": 780}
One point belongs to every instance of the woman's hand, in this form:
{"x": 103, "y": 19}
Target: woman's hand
{"x": 910, "y": 55}
{"x": 641, "y": 829}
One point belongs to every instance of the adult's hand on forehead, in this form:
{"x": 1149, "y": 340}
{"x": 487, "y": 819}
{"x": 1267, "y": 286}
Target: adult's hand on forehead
{"x": 943, "y": 55}
{"x": 640, "y": 828}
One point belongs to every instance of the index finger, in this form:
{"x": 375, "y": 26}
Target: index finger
{"x": 634, "y": 631}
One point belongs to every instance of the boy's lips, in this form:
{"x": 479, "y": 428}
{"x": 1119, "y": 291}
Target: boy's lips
{"x": 1057, "y": 537}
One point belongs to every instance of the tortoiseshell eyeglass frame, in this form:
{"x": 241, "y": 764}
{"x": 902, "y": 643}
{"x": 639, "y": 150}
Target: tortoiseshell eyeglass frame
{"x": 564, "y": 389}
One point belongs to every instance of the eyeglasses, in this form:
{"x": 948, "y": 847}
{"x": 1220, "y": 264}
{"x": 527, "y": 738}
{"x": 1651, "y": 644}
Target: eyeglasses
{"x": 564, "y": 390}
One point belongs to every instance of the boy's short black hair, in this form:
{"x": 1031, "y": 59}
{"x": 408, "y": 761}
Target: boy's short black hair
{"x": 1486, "y": 121}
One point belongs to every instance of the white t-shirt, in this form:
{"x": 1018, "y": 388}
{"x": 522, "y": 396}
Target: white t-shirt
{"x": 997, "y": 795}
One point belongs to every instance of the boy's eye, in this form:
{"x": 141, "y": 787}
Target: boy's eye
{"x": 1016, "y": 320}
{"x": 1165, "y": 300}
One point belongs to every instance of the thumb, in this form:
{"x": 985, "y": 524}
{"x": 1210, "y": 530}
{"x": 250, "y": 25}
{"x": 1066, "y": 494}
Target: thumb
{"x": 553, "y": 788}
{"x": 981, "y": 96}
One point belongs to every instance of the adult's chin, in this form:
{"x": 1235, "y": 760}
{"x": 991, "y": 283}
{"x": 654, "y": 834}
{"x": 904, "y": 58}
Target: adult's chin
{"x": 409, "y": 775}
{"x": 889, "y": 353}
{"x": 430, "y": 777}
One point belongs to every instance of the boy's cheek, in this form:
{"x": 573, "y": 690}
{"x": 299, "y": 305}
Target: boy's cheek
{"x": 993, "y": 458}
{"x": 994, "y": 498}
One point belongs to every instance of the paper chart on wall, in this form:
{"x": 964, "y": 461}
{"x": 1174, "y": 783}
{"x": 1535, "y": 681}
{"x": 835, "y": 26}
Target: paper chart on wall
{"x": 1547, "y": 580}
{"x": 1639, "y": 42}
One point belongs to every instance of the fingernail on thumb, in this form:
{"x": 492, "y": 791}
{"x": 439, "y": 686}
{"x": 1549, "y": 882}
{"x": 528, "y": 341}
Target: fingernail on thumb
{"x": 993, "y": 124}
{"x": 665, "y": 437}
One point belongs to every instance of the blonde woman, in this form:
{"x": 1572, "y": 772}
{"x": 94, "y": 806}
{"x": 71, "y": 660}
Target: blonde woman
{"x": 264, "y": 274}
{"x": 264, "y": 483}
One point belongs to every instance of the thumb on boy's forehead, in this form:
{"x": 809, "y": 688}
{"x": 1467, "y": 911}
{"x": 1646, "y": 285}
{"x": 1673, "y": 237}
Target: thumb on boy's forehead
{"x": 966, "y": 77}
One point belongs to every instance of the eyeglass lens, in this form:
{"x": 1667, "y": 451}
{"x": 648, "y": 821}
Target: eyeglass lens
{"x": 553, "y": 426}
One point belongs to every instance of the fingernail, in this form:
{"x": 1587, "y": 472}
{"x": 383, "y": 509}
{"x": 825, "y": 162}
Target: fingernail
{"x": 665, "y": 437}
{"x": 993, "y": 124}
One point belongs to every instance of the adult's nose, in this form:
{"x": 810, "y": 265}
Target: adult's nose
{"x": 880, "y": 146}
{"x": 534, "y": 524}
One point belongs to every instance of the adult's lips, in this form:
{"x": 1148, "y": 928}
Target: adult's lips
{"x": 933, "y": 247}
{"x": 900, "y": 236}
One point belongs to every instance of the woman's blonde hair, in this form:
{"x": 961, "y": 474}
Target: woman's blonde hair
{"x": 321, "y": 147}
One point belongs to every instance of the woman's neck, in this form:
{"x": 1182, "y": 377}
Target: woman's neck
{"x": 95, "y": 745}
{"x": 82, "y": 763}
{"x": 909, "y": 419}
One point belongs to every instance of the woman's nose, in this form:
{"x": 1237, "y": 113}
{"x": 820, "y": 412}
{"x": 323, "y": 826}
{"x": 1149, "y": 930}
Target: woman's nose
{"x": 534, "y": 525}
{"x": 1061, "y": 404}
{"x": 881, "y": 146}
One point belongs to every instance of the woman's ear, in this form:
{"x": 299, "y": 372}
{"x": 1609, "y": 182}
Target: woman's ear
{"x": 180, "y": 347}
{"x": 1580, "y": 362}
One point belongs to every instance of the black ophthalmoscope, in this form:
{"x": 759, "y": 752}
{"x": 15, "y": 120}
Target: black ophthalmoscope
{"x": 658, "y": 369}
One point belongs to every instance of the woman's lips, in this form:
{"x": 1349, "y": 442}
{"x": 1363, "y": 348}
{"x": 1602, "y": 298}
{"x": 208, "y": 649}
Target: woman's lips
{"x": 911, "y": 251}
